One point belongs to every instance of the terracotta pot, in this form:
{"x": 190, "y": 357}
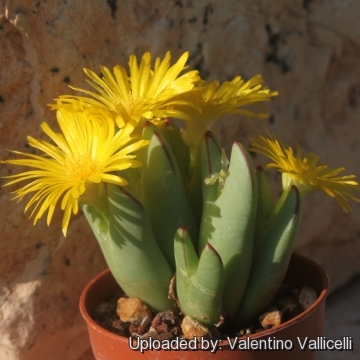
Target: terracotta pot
{"x": 301, "y": 272}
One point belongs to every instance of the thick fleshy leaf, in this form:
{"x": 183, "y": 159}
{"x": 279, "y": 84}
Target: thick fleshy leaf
{"x": 265, "y": 205}
{"x": 178, "y": 146}
{"x": 163, "y": 194}
{"x": 228, "y": 222}
{"x": 131, "y": 251}
{"x": 194, "y": 187}
{"x": 199, "y": 282}
{"x": 272, "y": 258}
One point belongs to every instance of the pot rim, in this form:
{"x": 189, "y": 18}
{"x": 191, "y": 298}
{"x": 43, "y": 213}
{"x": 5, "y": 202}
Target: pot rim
{"x": 321, "y": 297}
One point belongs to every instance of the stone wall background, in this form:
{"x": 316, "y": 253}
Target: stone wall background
{"x": 308, "y": 50}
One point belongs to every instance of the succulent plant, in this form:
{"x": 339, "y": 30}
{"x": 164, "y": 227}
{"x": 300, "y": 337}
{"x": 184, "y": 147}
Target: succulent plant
{"x": 151, "y": 232}
{"x": 164, "y": 200}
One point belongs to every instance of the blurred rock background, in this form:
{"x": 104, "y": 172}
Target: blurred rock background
{"x": 308, "y": 50}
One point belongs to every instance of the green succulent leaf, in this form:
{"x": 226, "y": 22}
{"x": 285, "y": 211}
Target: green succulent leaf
{"x": 272, "y": 258}
{"x": 213, "y": 164}
{"x": 163, "y": 194}
{"x": 194, "y": 187}
{"x": 199, "y": 282}
{"x": 264, "y": 207}
{"x": 229, "y": 218}
{"x": 177, "y": 144}
{"x": 95, "y": 206}
{"x": 131, "y": 251}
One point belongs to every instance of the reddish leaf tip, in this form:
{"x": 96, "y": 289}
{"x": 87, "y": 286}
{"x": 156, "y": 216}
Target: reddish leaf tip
{"x": 182, "y": 230}
{"x": 208, "y": 246}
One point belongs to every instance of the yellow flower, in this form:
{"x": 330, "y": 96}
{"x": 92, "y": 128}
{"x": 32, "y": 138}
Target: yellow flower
{"x": 89, "y": 150}
{"x": 213, "y": 101}
{"x": 304, "y": 173}
{"x": 145, "y": 93}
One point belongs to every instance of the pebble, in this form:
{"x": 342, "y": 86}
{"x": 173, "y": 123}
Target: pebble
{"x": 272, "y": 318}
{"x": 192, "y": 328}
{"x": 307, "y": 297}
{"x": 166, "y": 322}
{"x": 134, "y": 311}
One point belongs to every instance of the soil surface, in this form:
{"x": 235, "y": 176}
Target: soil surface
{"x": 167, "y": 325}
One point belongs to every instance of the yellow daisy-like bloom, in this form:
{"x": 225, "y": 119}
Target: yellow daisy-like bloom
{"x": 213, "y": 101}
{"x": 304, "y": 173}
{"x": 145, "y": 93}
{"x": 89, "y": 150}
